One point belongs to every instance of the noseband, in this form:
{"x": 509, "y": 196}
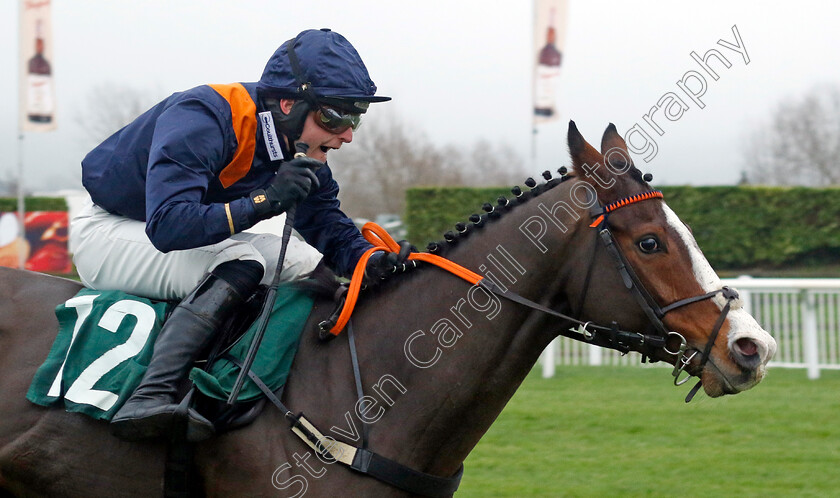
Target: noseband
{"x": 623, "y": 341}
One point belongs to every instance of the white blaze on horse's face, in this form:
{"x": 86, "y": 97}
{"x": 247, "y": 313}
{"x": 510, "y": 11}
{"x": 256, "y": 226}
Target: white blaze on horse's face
{"x": 742, "y": 326}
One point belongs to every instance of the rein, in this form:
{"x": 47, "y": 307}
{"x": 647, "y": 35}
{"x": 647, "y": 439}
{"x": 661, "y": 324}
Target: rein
{"x": 614, "y": 338}
{"x": 610, "y": 337}
{"x": 382, "y": 241}
{"x": 391, "y": 472}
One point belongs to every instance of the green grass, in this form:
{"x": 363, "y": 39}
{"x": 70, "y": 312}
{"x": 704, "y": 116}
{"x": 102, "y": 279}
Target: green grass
{"x": 625, "y": 431}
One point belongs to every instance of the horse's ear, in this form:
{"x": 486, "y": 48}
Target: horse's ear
{"x": 589, "y": 163}
{"x": 580, "y": 150}
{"x": 614, "y": 149}
{"x": 612, "y": 140}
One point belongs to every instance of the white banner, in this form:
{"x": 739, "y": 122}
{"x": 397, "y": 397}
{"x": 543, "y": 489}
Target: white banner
{"x": 37, "y": 90}
{"x": 549, "y": 36}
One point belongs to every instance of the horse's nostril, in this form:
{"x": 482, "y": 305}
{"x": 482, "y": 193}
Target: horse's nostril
{"x": 746, "y": 347}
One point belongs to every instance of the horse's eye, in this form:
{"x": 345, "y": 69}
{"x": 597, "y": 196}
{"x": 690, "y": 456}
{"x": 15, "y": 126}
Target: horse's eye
{"x": 649, "y": 245}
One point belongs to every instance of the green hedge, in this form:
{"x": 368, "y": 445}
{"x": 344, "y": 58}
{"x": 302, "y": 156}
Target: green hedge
{"x": 737, "y": 227}
{"x": 431, "y": 211}
{"x": 9, "y": 204}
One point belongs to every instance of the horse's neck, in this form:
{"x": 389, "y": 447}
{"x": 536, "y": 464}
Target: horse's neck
{"x": 440, "y": 358}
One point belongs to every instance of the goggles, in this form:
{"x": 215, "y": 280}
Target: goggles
{"x": 335, "y": 121}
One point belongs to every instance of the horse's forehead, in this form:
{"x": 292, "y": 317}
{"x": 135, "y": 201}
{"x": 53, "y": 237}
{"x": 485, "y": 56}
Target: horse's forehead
{"x": 703, "y": 272}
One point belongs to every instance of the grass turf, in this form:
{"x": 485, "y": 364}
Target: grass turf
{"x": 626, "y": 431}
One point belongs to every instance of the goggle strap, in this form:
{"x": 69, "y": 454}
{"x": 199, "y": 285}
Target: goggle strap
{"x": 305, "y": 87}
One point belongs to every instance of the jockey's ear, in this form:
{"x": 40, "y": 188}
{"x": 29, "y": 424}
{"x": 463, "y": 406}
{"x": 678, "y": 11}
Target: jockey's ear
{"x": 590, "y": 167}
{"x": 286, "y": 105}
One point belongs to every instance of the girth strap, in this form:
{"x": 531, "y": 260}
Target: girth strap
{"x": 360, "y": 459}
{"x": 402, "y": 477}
{"x": 384, "y": 469}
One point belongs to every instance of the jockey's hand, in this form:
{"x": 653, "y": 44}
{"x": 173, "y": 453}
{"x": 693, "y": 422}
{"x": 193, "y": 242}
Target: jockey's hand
{"x": 381, "y": 265}
{"x": 291, "y": 185}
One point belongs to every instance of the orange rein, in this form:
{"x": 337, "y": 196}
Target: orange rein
{"x": 382, "y": 241}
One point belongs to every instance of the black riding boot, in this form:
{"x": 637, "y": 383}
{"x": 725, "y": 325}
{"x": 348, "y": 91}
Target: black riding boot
{"x": 151, "y": 411}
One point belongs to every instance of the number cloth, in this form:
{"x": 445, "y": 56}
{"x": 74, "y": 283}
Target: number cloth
{"x": 105, "y": 342}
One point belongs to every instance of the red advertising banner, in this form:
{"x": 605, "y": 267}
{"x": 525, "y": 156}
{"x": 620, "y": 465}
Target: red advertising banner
{"x": 45, "y": 245}
{"x": 37, "y": 91}
{"x": 549, "y": 36}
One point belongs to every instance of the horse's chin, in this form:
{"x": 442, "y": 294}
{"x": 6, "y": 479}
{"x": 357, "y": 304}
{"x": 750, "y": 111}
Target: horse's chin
{"x": 715, "y": 386}
{"x": 717, "y": 383}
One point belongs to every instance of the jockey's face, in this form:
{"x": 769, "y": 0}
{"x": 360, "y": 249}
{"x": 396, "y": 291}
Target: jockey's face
{"x": 320, "y": 141}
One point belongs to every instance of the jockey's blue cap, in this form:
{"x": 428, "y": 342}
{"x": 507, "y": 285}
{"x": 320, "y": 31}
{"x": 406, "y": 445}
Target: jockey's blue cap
{"x": 328, "y": 64}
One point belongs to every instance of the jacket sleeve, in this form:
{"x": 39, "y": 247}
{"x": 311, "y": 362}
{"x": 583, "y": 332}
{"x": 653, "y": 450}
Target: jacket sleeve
{"x": 321, "y": 222}
{"x": 189, "y": 147}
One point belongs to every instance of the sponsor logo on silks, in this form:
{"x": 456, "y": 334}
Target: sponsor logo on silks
{"x": 270, "y": 136}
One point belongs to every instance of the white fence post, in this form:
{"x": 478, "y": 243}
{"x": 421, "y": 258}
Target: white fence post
{"x": 548, "y": 360}
{"x": 596, "y": 356}
{"x": 810, "y": 334}
{"x": 745, "y": 293}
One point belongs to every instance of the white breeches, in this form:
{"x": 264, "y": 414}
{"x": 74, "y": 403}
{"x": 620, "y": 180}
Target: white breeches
{"x": 114, "y": 253}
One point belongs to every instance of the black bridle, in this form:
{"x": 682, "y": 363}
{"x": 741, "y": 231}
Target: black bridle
{"x": 391, "y": 472}
{"x": 623, "y": 341}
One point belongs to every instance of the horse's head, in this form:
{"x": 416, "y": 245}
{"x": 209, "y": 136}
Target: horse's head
{"x": 725, "y": 346}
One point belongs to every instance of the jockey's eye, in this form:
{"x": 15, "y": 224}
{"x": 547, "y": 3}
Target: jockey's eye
{"x": 649, "y": 244}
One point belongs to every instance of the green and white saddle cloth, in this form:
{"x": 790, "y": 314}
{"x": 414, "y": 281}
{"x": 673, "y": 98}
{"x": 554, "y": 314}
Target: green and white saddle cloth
{"x": 105, "y": 342}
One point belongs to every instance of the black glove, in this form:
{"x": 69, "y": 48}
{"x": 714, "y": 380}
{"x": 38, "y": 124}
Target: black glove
{"x": 291, "y": 185}
{"x": 381, "y": 265}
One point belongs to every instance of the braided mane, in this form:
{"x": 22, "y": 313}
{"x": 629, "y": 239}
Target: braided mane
{"x": 520, "y": 196}
{"x": 503, "y": 205}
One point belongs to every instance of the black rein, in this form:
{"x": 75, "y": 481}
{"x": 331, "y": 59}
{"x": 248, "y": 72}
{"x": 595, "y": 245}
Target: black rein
{"x": 391, "y": 472}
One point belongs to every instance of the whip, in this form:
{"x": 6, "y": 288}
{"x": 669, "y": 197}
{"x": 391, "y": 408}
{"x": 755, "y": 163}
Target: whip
{"x": 270, "y": 297}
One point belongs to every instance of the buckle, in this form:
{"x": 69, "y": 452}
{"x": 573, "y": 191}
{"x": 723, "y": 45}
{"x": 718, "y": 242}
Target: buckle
{"x": 729, "y": 293}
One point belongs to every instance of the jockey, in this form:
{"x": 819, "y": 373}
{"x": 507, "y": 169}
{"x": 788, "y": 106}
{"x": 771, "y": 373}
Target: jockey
{"x": 173, "y": 192}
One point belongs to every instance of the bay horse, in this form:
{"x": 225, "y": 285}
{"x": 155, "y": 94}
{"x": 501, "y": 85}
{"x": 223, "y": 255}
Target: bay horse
{"x": 438, "y": 357}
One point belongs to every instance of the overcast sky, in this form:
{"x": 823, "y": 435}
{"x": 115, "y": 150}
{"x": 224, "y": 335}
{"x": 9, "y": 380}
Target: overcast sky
{"x": 459, "y": 71}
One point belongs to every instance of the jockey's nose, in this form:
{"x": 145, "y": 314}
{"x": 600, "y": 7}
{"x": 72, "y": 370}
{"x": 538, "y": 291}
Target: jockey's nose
{"x": 346, "y": 136}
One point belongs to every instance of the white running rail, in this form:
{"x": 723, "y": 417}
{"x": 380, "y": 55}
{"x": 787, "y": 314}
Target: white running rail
{"x": 802, "y": 314}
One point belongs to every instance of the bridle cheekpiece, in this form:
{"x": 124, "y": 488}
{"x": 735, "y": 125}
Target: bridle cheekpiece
{"x": 655, "y": 313}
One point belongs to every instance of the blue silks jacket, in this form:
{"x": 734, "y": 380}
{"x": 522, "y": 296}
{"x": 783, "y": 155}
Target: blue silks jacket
{"x": 187, "y": 166}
